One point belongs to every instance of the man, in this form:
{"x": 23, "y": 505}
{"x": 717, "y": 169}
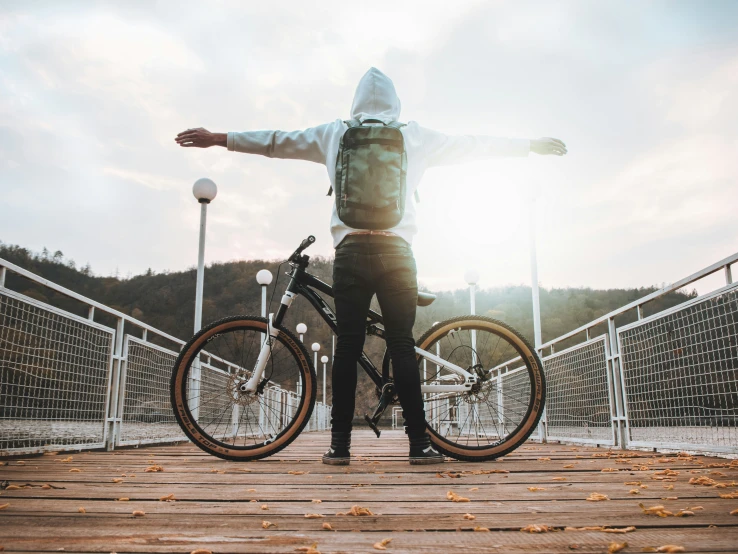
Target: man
{"x": 374, "y": 262}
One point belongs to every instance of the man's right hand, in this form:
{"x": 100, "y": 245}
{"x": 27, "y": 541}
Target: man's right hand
{"x": 201, "y": 138}
{"x": 548, "y": 145}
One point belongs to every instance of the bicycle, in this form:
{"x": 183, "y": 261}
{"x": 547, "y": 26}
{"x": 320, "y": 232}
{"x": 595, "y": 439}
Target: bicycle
{"x": 244, "y": 387}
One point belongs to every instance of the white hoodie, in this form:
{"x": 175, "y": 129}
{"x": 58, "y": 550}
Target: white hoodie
{"x": 376, "y": 98}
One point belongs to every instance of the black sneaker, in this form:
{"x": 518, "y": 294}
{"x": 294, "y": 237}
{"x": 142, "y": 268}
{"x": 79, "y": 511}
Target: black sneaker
{"x": 422, "y": 453}
{"x": 338, "y": 454}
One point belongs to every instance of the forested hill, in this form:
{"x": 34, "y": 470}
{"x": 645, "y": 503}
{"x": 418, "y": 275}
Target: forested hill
{"x": 166, "y": 300}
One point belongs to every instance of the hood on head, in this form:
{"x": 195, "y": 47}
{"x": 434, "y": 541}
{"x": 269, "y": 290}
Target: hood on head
{"x": 376, "y": 97}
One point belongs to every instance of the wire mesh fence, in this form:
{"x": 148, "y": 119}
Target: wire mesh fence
{"x": 680, "y": 375}
{"x": 147, "y": 414}
{"x": 578, "y": 393}
{"x": 54, "y": 374}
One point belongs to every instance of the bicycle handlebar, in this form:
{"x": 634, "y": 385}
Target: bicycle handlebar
{"x": 303, "y": 245}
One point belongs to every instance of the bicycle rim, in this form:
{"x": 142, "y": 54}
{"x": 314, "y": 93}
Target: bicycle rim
{"x": 222, "y": 419}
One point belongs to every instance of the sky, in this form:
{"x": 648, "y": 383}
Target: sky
{"x": 644, "y": 94}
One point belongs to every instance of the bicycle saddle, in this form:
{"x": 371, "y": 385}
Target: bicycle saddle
{"x": 425, "y": 298}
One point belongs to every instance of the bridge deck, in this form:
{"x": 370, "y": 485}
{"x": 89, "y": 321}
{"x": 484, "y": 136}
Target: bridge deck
{"x": 221, "y": 506}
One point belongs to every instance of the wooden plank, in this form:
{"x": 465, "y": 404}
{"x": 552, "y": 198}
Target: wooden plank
{"x": 214, "y": 508}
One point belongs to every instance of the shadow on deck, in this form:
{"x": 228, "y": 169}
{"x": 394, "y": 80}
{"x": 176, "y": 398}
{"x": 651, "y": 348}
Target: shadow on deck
{"x": 221, "y": 506}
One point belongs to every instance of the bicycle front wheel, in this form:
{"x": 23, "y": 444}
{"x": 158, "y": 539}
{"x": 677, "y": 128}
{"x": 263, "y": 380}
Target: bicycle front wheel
{"x": 503, "y": 409}
{"x": 208, "y": 396}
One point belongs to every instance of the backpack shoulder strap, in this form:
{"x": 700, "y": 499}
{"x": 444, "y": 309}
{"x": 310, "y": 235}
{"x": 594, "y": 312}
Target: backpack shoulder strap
{"x": 396, "y": 124}
{"x": 352, "y": 123}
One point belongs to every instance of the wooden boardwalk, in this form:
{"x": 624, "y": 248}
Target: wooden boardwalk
{"x": 222, "y": 507}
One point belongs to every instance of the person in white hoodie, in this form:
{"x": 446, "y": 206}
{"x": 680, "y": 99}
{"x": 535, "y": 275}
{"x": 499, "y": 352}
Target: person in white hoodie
{"x": 374, "y": 262}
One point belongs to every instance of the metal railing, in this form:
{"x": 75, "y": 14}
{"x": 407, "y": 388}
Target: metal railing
{"x": 71, "y": 383}
{"x": 668, "y": 381}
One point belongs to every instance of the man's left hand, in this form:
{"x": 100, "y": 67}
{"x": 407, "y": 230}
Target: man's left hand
{"x": 547, "y": 146}
{"x": 200, "y": 138}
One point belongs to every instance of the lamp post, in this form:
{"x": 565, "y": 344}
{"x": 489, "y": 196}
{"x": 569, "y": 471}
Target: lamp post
{"x": 534, "y": 271}
{"x": 264, "y": 278}
{"x": 205, "y": 191}
{"x": 301, "y": 330}
{"x": 324, "y": 360}
{"x": 316, "y": 347}
{"x": 472, "y": 278}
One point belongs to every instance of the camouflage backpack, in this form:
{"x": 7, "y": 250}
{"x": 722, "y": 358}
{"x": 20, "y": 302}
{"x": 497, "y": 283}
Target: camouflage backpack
{"x": 370, "y": 175}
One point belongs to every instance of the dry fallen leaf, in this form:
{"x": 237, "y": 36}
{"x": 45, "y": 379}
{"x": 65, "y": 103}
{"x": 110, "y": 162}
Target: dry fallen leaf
{"x": 544, "y": 459}
{"x": 382, "y": 545}
{"x": 469, "y": 517}
{"x": 313, "y": 516}
{"x": 656, "y": 510}
{"x": 81, "y": 510}
{"x": 616, "y": 547}
{"x": 568, "y": 466}
{"x": 167, "y": 498}
{"x": 117, "y": 480}
{"x": 533, "y": 528}
{"x": 139, "y": 513}
{"x": 267, "y": 524}
{"x": 734, "y": 512}
{"x": 534, "y": 489}
{"x": 13, "y": 488}
{"x": 558, "y": 479}
{"x": 670, "y": 548}
{"x": 296, "y": 472}
{"x": 482, "y": 529}
{"x": 634, "y": 491}
{"x": 705, "y": 481}
{"x": 474, "y": 489}
{"x": 619, "y": 529}
{"x": 684, "y": 513}
{"x": 153, "y": 469}
{"x": 730, "y": 495}
{"x": 453, "y": 497}
{"x": 75, "y": 470}
{"x": 123, "y": 499}
{"x": 316, "y": 501}
{"x": 609, "y": 470}
{"x": 201, "y": 551}
{"x": 327, "y": 526}
{"x": 356, "y": 511}
{"x": 597, "y": 497}
{"x": 3, "y": 506}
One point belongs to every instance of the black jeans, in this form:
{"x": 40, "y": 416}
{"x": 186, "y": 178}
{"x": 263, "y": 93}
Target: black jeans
{"x": 366, "y": 265}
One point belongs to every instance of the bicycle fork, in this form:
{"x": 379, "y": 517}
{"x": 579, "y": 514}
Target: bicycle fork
{"x": 253, "y": 384}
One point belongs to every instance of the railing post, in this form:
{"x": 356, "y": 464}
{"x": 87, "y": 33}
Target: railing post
{"x": 617, "y": 406}
{"x": 543, "y": 422}
{"x": 116, "y": 401}
{"x": 728, "y": 275}
{"x": 3, "y": 272}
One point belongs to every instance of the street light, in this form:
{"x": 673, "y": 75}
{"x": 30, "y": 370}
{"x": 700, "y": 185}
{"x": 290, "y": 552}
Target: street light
{"x": 472, "y": 278}
{"x": 324, "y": 360}
{"x": 301, "y": 330}
{"x": 264, "y": 278}
{"x": 205, "y": 191}
{"x": 316, "y": 347}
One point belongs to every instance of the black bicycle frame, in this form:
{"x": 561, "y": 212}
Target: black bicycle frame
{"x": 302, "y": 283}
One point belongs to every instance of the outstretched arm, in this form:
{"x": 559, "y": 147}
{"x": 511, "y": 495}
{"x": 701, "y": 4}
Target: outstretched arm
{"x": 308, "y": 144}
{"x": 442, "y": 149}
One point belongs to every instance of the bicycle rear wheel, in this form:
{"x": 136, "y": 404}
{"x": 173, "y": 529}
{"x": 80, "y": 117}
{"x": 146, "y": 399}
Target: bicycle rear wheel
{"x": 503, "y": 408}
{"x": 207, "y": 396}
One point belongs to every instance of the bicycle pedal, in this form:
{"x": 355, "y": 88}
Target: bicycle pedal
{"x": 372, "y": 425}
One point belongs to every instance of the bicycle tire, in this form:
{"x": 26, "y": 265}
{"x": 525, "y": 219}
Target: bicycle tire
{"x": 178, "y": 390}
{"x": 537, "y": 394}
